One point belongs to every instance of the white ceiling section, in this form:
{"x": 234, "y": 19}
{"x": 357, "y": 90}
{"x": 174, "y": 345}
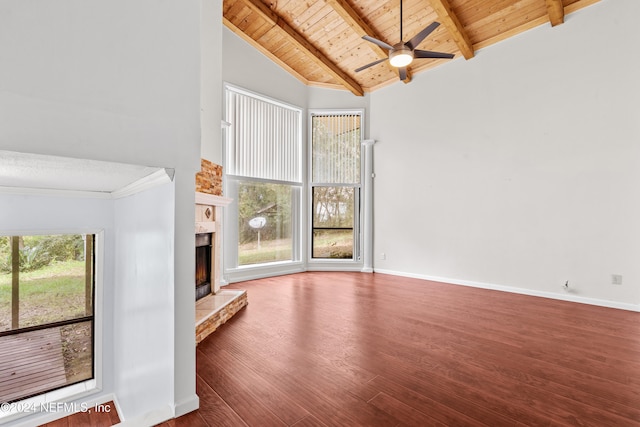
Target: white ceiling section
{"x": 24, "y": 172}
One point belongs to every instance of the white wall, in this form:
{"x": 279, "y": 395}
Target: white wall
{"x": 20, "y": 214}
{"x": 322, "y": 98}
{"x": 211, "y": 80}
{"x": 115, "y": 80}
{"x": 111, "y": 80}
{"x": 143, "y": 290}
{"x": 519, "y": 168}
{"x": 244, "y": 66}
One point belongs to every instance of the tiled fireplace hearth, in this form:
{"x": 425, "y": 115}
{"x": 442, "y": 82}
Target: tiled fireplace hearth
{"x": 214, "y": 310}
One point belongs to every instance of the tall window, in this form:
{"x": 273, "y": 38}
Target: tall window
{"x": 46, "y": 313}
{"x": 335, "y": 185}
{"x": 264, "y": 175}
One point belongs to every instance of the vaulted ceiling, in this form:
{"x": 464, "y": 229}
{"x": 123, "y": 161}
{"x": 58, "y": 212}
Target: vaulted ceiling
{"x": 320, "y": 42}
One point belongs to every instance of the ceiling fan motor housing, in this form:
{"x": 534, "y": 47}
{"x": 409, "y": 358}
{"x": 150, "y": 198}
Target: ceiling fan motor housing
{"x": 400, "y": 55}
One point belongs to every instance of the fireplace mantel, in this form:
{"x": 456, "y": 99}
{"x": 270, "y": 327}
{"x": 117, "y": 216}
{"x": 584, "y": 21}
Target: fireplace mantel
{"x": 211, "y": 200}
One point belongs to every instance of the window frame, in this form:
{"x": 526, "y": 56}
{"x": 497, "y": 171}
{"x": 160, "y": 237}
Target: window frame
{"x": 232, "y": 271}
{"x": 337, "y": 264}
{"x": 72, "y": 392}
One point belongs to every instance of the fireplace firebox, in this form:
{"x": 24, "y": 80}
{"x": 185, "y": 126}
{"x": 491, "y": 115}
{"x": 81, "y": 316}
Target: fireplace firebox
{"x": 203, "y": 264}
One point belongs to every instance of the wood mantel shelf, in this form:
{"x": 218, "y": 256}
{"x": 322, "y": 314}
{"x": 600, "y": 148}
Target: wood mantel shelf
{"x": 210, "y": 199}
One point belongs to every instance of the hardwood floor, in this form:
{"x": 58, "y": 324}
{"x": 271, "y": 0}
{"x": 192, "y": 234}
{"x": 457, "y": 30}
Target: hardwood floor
{"x": 352, "y": 349}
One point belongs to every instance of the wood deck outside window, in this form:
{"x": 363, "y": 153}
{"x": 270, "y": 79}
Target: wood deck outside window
{"x": 32, "y": 336}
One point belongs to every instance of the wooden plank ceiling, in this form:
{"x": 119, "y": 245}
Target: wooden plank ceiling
{"x": 320, "y": 42}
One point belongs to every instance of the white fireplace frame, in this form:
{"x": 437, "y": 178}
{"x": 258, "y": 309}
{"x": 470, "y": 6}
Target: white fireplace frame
{"x": 212, "y": 224}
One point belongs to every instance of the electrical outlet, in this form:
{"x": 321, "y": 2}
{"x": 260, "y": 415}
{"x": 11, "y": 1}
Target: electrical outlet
{"x": 383, "y": 256}
{"x": 616, "y": 279}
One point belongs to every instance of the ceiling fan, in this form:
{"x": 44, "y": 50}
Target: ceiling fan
{"x": 403, "y": 53}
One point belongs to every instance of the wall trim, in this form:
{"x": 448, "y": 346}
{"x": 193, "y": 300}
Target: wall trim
{"x": 186, "y": 405}
{"x": 161, "y": 176}
{"x": 511, "y": 289}
{"x": 28, "y": 191}
{"x": 272, "y": 270}
{"x": 151, "y": 418}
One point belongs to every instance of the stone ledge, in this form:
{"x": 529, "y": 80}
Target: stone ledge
{"x": 217, "y": 318}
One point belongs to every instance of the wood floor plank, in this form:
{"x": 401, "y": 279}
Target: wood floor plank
{"x": 192, "y": 419}
{"x": 239, "y": 397}
{"x": 355, "y": 349}
{"x": 309, "y": 421}
{"x": 388, "y": 325}
{"x": 448, "y": 360}
{"x": 325, "y": 397}
{"x": 468, "y": 399}
{"x": 281, "y": 404}
{"x": 405, "y": 413}
{"x": 443, "y": 409}
{"x": 213, "y": 409}
{"x": 62, "y": 422}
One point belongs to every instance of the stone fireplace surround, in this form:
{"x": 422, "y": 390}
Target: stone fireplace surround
{"x": 216, "y": 308}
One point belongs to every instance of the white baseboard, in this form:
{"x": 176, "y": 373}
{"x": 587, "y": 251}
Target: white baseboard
{"x": 523, "y": 291}
{"x": 187, "y": 405}
{"x": 151, "y": 418}
{"x": 159, "y": 415}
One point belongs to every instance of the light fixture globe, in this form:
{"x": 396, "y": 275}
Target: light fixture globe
{"x": 400, "y": 56}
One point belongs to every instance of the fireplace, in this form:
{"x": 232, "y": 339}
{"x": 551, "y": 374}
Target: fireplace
{"x": 214, "y": 306}
{"x": 208, "y": 232}
{"x": 203, "y": 264}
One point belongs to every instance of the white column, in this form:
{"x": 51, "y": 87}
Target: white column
{"x": 367, "y": 226}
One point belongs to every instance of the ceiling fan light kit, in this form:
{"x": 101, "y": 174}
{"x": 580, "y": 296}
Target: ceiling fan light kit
{"x": 403, "y": 53}
{"x": 400, "y": 56}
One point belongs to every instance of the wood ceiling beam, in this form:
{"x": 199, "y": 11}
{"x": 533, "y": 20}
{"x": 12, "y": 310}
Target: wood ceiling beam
{"x": 453, "y": 25}
{"x": 360, "y": 27}
{"x": 301, "y": 43}
{"x": 555, "y": 10}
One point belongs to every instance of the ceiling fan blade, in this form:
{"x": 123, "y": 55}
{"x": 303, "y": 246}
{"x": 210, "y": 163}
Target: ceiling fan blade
{"x": 428, "y": 54}
{"x": 378, "y": 42}
{"x": 417, "y": 39}
{"x": 370, "y": 65}
{"x": 403, "y": 73}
